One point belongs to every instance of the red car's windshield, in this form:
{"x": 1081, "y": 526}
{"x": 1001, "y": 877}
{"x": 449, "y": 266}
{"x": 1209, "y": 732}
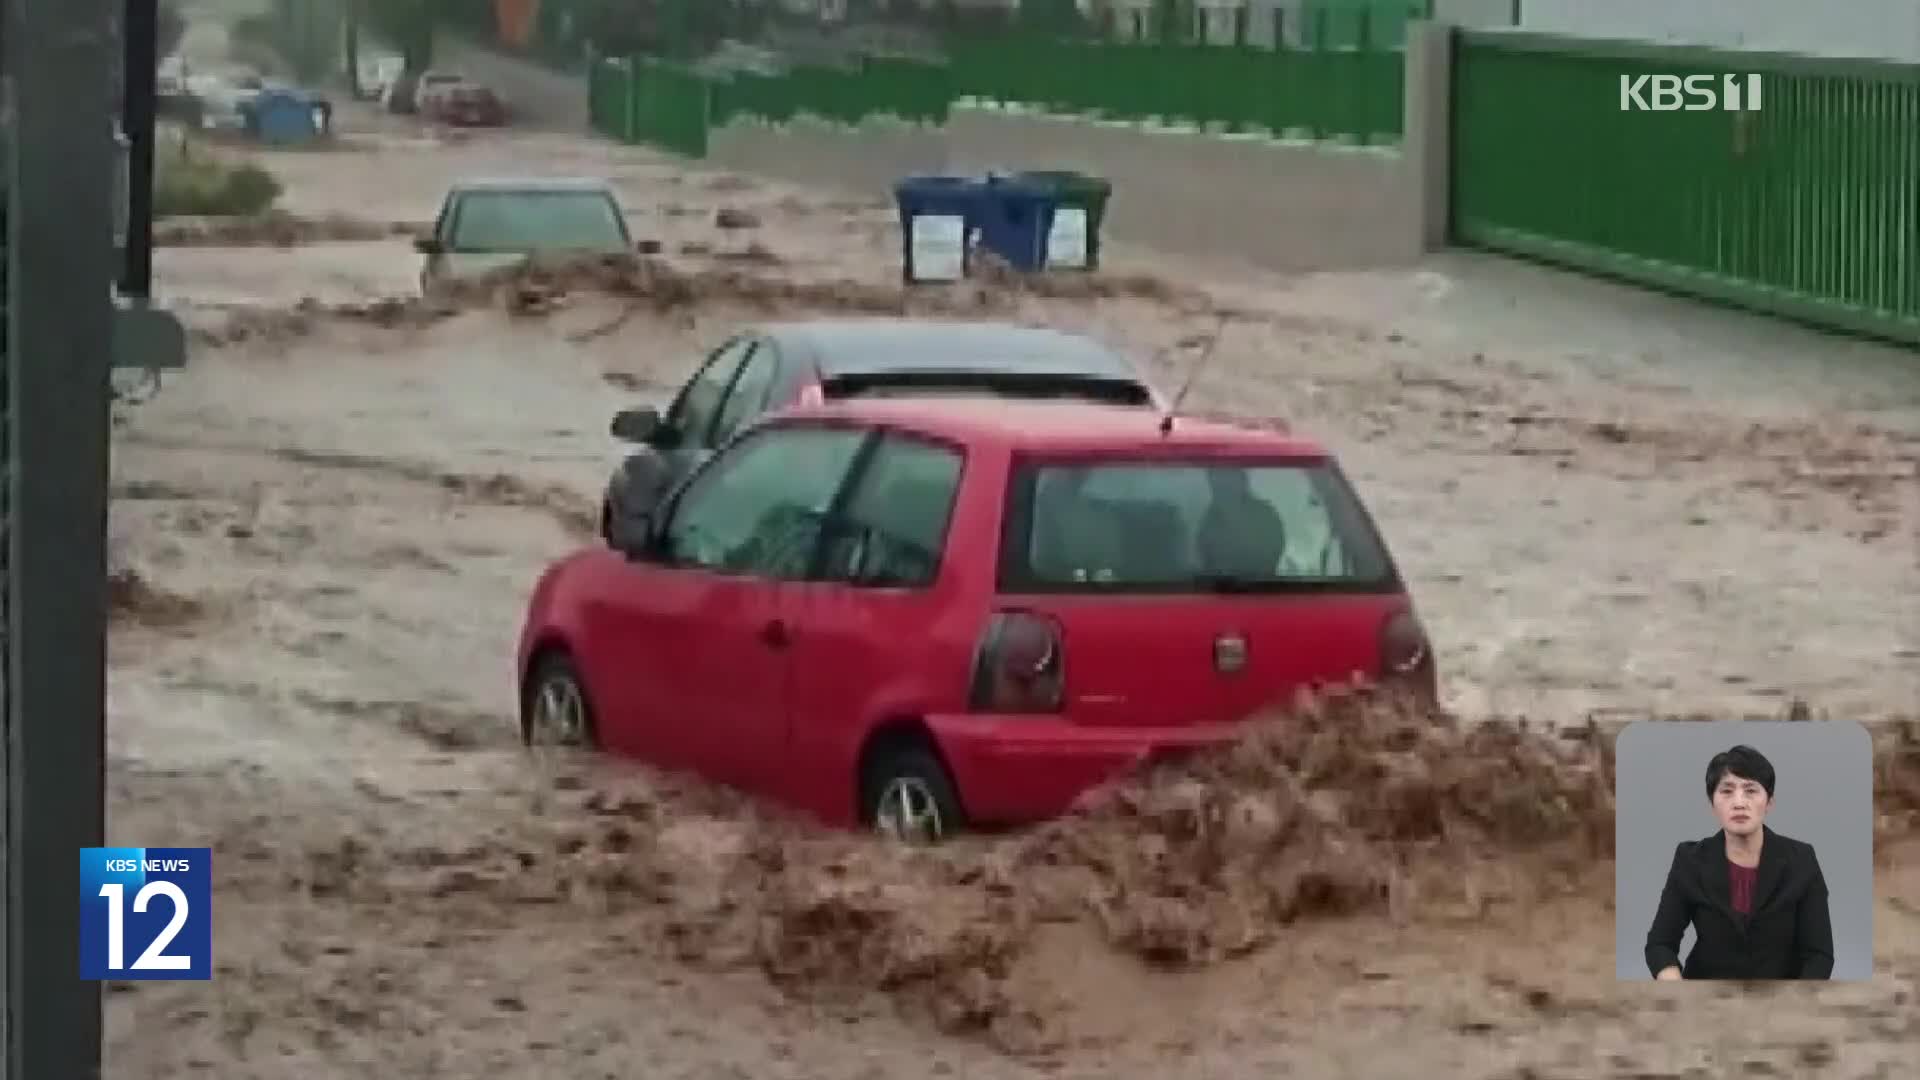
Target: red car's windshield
{"x": 1189, "y": 526}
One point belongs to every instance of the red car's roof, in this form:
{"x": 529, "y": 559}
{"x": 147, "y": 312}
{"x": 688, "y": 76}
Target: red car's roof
{"x": 1060, "y": 425}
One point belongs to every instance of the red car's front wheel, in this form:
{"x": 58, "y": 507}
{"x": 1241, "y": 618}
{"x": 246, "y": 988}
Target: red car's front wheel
{"x": 554, "y": 707}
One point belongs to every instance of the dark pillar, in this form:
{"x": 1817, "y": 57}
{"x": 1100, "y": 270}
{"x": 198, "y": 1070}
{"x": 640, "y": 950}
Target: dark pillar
{"x": 139, "y": 30}
{"x": 60, "y": 269}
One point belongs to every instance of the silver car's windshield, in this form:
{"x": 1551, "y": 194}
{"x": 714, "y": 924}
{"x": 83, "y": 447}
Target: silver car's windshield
{"x": 516, "y": 221}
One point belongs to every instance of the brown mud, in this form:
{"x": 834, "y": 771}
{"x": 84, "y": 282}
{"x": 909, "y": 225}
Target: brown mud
{"x": 1348, "y": 807}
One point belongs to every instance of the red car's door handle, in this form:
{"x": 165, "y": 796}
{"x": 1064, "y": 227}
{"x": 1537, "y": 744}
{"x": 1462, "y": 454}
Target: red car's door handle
{"x": 774, "y": 635}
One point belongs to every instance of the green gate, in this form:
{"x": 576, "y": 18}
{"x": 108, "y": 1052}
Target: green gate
{"x": 638, "y": 100}
{"x": 1807, "y": 208}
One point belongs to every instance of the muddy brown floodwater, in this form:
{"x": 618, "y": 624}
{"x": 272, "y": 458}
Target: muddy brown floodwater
{"x": 323, "y": 532}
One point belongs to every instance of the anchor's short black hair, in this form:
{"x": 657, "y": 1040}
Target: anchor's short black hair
{"x": 1744, "y": 762}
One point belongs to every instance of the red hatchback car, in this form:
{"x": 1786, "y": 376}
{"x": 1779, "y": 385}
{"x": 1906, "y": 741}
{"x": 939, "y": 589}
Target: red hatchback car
{"x": 925, "y": 615}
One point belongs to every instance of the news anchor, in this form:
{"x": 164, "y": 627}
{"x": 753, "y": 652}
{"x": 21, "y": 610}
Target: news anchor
{"x": 1756, "y": 900}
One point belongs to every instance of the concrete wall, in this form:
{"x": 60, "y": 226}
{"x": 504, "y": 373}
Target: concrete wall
{"x": 1280, "y": 206}
{"x": 862, "y": 161}
{"x": 1289, "y": 207}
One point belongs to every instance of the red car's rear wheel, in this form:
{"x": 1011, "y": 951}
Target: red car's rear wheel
{"x": 907, "y": 795}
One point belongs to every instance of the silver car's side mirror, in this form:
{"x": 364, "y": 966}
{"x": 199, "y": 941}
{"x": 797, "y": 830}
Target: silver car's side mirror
{"x": 641, "y": 426}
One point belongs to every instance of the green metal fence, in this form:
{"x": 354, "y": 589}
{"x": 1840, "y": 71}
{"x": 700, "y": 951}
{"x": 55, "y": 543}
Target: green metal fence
{"x": 637, "y": 100}
{"x": 1320, "y": 93}
{"x": 656, "y": 102}
{"x": 1339, "y": 74}
{"x": 1809, "y": 207}
{"x": 913, "y": 91}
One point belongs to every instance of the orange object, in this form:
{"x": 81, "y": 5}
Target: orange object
{"x": 514, "y": 21}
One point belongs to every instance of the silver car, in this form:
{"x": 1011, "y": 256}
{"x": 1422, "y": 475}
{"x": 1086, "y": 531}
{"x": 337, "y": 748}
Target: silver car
{"x": 762, "y": 369}
{"x": 489, "y": 225}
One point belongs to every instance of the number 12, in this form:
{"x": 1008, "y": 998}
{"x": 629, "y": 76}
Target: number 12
{"x": 155, "y": 958}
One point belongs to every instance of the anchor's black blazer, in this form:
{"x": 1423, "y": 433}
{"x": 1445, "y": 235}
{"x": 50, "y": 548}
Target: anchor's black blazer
{"x": 1787, "y": 936}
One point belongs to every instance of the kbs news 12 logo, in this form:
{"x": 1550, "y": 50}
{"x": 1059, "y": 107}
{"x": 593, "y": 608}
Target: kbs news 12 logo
{"x": 1693, "y": 93}
{"x": 146, "y": 913}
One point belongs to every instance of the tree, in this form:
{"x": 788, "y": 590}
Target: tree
{"x": 172, "y": 26}
{"x": 1052, "y": 16}
{"x": 408, "y": 26}
{"x": 1173, "y": 20}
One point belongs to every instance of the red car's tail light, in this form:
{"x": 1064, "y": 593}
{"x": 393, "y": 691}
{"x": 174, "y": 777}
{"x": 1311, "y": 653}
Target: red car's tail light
{"x": 1406, "y": 656}
{"x": 1019, "y": 665}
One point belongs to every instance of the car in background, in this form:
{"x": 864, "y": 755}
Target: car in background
{"x": 170, "y": 84}
{"x": 463, "y": 104}
{"x": 920, "y": 616}
{"x": 218, "y": 99}
{"x": 375, "y": 74}
{"x": 764, "y": 368}
{"x": 396, "y": 93}
{"x": 427, "y": 84}
{"x": 490, "y": 224}
{"x": 174, "y": 98}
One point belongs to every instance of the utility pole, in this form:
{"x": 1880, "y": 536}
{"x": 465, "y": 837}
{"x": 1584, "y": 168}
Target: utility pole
{"x": 350, "y": 45}
{"x": 139, "y": 33}
{"x": 58, "y": 58}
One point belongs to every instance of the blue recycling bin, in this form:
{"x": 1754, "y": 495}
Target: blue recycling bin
{"x": 1016, "y": 216}
{"x": 939, "y": 220}
{"x": 1079, "y": 210}
{"x": 286, "y": 117}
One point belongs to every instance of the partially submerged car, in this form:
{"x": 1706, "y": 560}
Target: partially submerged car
{"x": 925, "y": 615}
{"x": 377, "y": 73}
{"x": 219, "y": 100}
{"x": 488, "y": 225}
{"x": 427, "y": 84}
{"x": 463, "y": 103}
{"x": 769, "y": 367}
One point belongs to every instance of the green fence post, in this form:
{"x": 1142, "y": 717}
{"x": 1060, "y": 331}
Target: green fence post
{"x": 1275, "y": 106}
{"x": 596, "y": 81}
{"x": 1359, "y": 78}
{"x": 1317, "y": 48}
{"x": 630, "y": 101}
{"x": 706, "y": 113}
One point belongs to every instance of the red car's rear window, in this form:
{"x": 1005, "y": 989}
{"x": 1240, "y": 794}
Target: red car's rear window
{"x": 1189, "y": 526}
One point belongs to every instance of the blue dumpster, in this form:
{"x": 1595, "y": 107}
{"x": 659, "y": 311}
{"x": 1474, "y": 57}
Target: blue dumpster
{"x": 1016, "y": 216}
{"x": 939, "y": 217}
{"x": 287, "y": 117}
{"x": 1079, "y": 209}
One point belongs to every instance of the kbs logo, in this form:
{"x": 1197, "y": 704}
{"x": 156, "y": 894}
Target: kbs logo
{"x": 154, "y": 905}
{"x": 1693, "y": 93}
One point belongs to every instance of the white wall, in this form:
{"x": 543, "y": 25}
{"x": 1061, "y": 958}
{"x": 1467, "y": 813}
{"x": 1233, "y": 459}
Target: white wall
{"x": 1887, "y": 29}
